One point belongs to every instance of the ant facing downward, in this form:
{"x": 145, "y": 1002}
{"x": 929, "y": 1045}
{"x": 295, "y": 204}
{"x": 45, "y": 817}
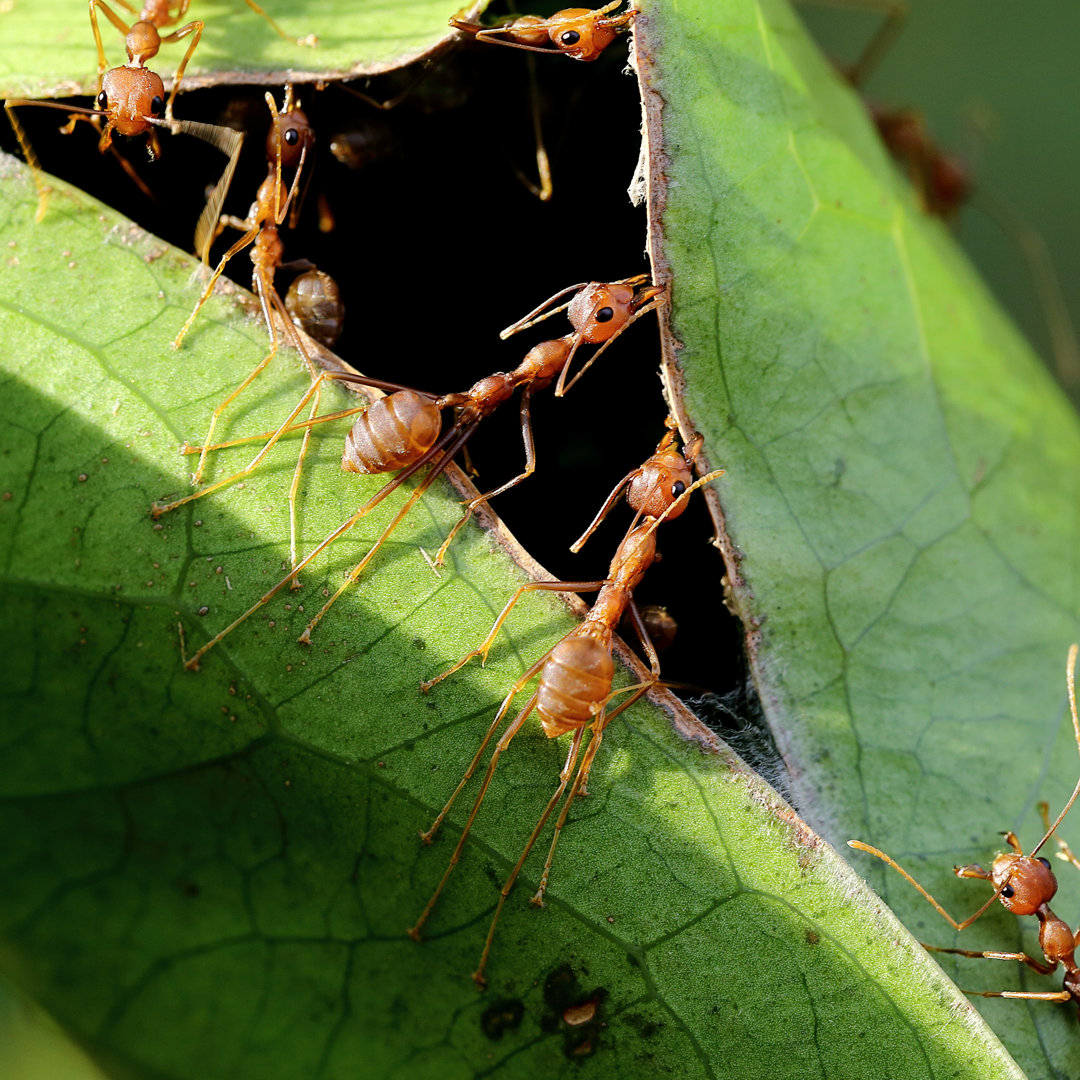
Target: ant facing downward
{"x": 1025, "y": 885}
{"x": 575, "y": 675}
{"x": 402, "y": 431}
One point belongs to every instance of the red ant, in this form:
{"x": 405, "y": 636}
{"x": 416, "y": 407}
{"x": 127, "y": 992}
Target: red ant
{"x": 287, "y": 146}
{"x": 402, "y": 431}
{"x": 132, "y": 97}
{"x": 575, "y": 675}
{"x": 1025, "y": 885}
{"x": 578, "y": 33}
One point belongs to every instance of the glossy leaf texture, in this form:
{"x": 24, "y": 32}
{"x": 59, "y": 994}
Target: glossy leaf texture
{"x": 900, "y": 511}
{"x": 47, "y": 49}
{"x": 211, "y": 874}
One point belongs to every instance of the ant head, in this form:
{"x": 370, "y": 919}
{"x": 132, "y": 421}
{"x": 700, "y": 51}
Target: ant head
{"x": 659, "y": 483}
{"x": 142, "y": 42}
{"x": 292, "y": 131}
{"x": 1024, "y": 883}
{"x": 129, "y": 96}
{"x": 580, "y": 33}
{"x": 599, "y": 311}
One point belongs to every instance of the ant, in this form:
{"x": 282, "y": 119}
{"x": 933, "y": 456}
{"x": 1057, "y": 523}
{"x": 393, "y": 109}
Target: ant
{"x": 402, "y": 430}
{"x": 578, "y": 33}
{"x": 1025, "y": 885}
{"x": 131, "y": 98}
{"x": 287, "y": 146}
{"x": 575, "y": 675}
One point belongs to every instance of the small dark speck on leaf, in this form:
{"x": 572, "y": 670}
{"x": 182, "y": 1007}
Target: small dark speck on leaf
{"x": 419, "y": 643}
{"x": 503, "y": 1016}
{"x": 811, "y": 937}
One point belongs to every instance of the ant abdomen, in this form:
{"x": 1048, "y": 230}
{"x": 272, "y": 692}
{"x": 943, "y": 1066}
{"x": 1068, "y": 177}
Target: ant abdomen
{"x": 574, "y": 681}
{"x": 395, "y": 431}
{"x": 314, "y": 304}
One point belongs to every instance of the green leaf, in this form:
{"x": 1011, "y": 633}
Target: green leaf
{"x": 211, "y": 874}
{"x": 899, "y": 513}
{"x": 47, "y": 48}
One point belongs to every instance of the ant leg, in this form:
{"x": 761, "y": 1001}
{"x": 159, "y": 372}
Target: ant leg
{"x": 436, "y": 469}
{"x": 240, "y": 244}
{"x": 303, "y": 425}
{"x": 485, "y": 646}
{"x": 429, "y": 834}
{"x": 508, "y": 885}
{"x": 158, "y": 509}
{"x": 120, "y": 25}
{"x": 530, "y": 468}
{"x": 579, "y": 782}
{"x": 544, "y": 190}
{"x": 500, "y": 746}
{"x": 1035, "y": 965}
{"x": 193, "y": 28}
{"x": 311, "y": 40}
{"x": 860, "y": 846}
{"x": 40, "y": 186}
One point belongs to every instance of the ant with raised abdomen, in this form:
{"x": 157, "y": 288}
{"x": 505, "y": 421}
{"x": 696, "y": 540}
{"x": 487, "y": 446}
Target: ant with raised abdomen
{"x": 1025, "y": 885}
{"x": 575, "y": 675}
{"x": 402, "y": 431}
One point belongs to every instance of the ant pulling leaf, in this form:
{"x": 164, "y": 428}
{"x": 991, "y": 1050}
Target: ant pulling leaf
{"x": 575, "y": 675}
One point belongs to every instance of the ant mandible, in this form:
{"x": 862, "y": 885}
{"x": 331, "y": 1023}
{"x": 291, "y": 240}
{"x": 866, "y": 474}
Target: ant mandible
{"x": 575, "y": 675}
{"x": 578, "y": 33}
{"x": 1025, "y": 885}
{"x": 402, "y": 431}
{"x": 131, "y": 98}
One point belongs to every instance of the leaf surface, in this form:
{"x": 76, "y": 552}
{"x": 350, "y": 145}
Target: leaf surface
{"x": 211, "y": 874}
{"x": 900, "y": 510}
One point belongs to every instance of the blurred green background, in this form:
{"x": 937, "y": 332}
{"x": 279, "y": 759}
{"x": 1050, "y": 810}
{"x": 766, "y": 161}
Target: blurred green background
{"x": 997, "y": 83}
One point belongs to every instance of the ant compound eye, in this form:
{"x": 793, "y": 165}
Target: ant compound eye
{"x": 1045, "y": 862}
{"x": 102, "y": 101}
{"x": 291, "y": 136}
{"x": 678, "y": 488}
{"x": 156, "y": 105}
{"x": 605, "y": 314}
{"x": 571, "y": 37}
{"x": 1008, "y": 891}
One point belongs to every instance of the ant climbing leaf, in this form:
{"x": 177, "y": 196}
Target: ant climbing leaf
{"x": 229, "y": 859}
